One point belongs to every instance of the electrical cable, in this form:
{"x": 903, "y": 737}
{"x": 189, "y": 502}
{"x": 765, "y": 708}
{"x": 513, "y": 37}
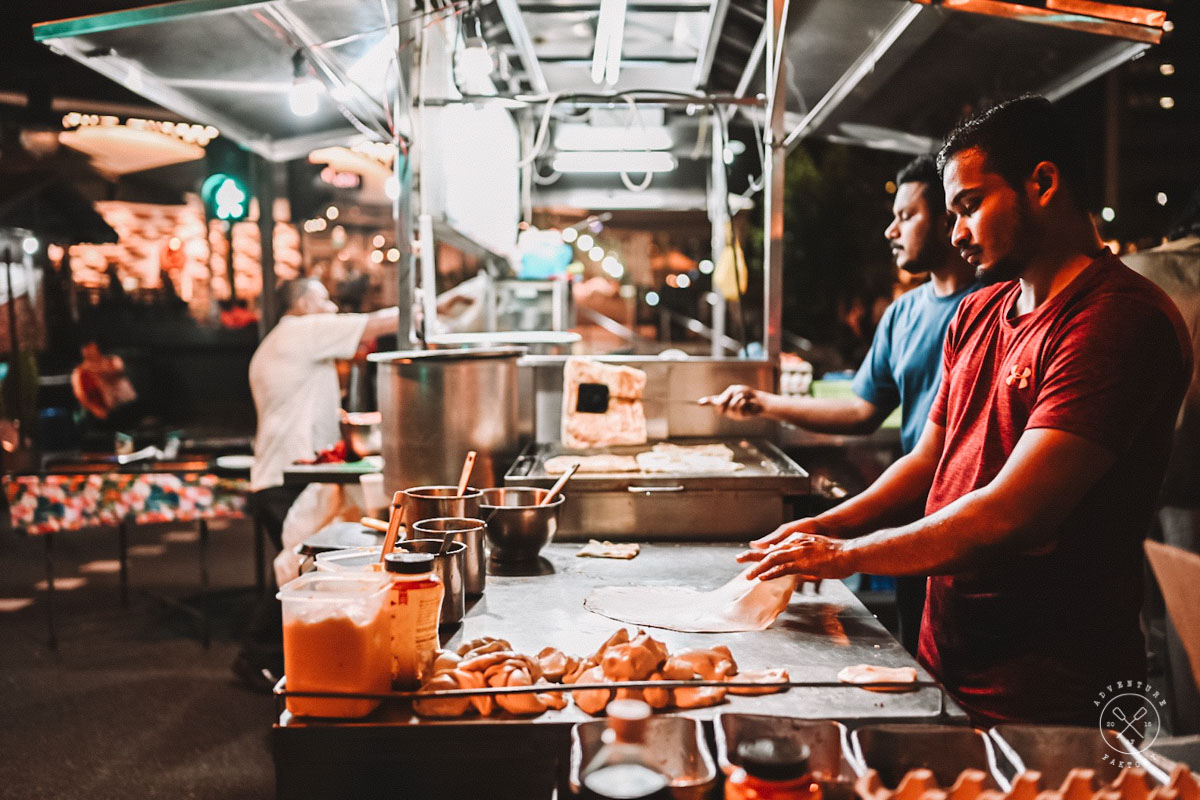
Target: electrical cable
{"x": 649, "y": 176}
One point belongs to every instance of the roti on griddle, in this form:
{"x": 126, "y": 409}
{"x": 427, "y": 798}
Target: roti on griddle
{"x": 599, "y": 464}
{"x": 696, "y": 459}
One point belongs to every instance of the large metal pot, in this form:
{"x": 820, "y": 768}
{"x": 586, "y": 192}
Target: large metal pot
{"x": 438, "y": 404}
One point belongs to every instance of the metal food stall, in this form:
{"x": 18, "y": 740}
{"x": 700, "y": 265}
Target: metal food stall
{"x": 874, "y": 73}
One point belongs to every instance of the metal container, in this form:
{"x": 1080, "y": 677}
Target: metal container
{"x": 517, "y": 527}
{"x": 449, "y": 567}
{"x": 468, "y": 532}
{"x": 1054, "y": 750}
{"x": 676, "y": 742}
{"x": 432, "y": 502}
{"x": 363, "y": 432}
{"x": 639, "y": 506}
{"x": 826, "y": 740}
{"x": 945, "y": 750}
{"x": 438, "y": 404}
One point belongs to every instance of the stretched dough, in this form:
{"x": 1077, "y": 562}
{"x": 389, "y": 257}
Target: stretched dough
{"x": 741, "y": 605}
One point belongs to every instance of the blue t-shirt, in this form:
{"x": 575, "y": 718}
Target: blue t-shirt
{"x": 904, "y": 365}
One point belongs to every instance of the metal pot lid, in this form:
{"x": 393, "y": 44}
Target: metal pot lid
{"x": 408, "y": 356}
{"x": 500, "y": 338}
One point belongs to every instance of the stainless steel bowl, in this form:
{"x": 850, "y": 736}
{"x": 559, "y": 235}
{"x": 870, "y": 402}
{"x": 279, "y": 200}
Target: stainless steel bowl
{"x": 363, "y": 432}
{"x": 517, "y": 527}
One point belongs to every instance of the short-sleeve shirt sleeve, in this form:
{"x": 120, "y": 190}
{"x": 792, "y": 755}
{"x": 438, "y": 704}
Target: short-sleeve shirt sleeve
{"x": 1103, "y": 381}
{"x": 875, "y": 381}
{"x": 331, "y": 336}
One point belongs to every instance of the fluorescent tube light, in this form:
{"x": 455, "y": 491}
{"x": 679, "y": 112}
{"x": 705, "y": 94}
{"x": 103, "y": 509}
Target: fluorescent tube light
{"x": 610, "y": 35}
{"x": 613, "y": 161}
{"x": 612, "y": 137}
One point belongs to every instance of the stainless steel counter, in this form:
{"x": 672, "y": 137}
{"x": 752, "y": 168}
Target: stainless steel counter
{"x": 814, "y": 638}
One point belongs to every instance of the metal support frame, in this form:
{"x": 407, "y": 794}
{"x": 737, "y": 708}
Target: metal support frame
{"x": 205, "y": 616}
{"x": 773, "y": 178}
{"x": 123, "y": 556}
{"x": 52, "y": 642}
{"x": 708, "y": 53}
{"x": 511, "y": 12}
{"x": 263, "y": 176}
{"x": 360, "y": 109}
{"x": 850, "y": 79}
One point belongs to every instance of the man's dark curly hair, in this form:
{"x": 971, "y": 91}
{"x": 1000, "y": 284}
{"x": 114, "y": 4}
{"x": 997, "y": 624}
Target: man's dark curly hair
{"x": 1015, "y": 136}
{"x": 923, "y": 169}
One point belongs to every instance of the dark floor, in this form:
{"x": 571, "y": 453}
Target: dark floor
{"x": 131, "y": 705}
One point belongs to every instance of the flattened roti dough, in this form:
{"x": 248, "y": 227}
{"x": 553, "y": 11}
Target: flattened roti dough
{"x": 592, "y": 465}
{"x": 743, "y": 604}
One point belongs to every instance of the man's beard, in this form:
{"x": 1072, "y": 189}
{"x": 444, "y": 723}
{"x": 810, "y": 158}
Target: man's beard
{"x": 1010, "y": 266}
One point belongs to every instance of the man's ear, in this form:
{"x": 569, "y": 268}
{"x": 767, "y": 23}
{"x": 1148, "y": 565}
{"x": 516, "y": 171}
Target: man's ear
{"x": 1044, "y": 183}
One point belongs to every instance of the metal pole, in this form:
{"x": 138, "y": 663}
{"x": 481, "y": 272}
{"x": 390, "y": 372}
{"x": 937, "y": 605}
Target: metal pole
{"x": 229, "y": 260}
{"x": 773, "y": 177}
{"x": 14, "y": 349}
{"x": 264, "y": 189}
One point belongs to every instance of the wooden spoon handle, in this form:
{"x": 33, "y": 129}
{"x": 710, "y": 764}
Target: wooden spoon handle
{"x": 468, "y": 465}
{"x": 558, "y": 485}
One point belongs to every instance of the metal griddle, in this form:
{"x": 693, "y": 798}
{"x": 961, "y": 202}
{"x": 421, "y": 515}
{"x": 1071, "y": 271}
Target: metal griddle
{"x": 649, "y": 506}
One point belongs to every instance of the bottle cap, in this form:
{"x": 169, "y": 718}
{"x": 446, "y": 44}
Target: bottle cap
{"x": 409, "y": 563}
{"x": 774, "y": 759}
{"x": 627, "y": 719}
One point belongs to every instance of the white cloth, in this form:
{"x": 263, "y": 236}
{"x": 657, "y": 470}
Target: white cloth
{"x": 295, "y": 387}
{"x": 320, "y": 504}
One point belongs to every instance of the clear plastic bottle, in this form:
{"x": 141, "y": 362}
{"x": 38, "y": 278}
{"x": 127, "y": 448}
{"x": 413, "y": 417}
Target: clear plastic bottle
{"x": 414, "y": 603}
{"x": 622, "y": 769}
{"x": 772, "y": 769}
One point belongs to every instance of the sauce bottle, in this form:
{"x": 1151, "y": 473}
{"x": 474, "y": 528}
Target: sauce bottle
{"x": 414, "y": 604}
{"x": 772, "y": 769}
{"x": 623, "y": 768}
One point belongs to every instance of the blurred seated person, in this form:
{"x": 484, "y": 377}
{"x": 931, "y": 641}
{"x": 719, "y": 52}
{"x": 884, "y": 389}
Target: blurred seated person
{"x": 100, "y": 383}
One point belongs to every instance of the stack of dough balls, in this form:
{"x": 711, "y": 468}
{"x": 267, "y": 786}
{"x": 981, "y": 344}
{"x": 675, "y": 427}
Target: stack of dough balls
{"x": 489, "y": 662}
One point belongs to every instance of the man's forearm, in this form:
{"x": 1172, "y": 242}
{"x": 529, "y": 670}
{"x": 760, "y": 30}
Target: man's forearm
{"x": 952, "y": 539}
{"x": 822, "y": 415}
{"x": 381, "y": 322}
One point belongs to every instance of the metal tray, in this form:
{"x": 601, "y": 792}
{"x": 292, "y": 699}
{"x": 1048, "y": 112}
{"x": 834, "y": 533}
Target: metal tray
{"x": 1054, "y": 750}
{"x": 945, "y": 750}
{"x": 678, "y": 742}
{"x": 827, "y": 741}
{"x": 764, "y": 467}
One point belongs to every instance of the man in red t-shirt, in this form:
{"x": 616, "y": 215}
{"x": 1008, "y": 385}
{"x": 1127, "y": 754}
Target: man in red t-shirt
{"x": 1038, "y": 470}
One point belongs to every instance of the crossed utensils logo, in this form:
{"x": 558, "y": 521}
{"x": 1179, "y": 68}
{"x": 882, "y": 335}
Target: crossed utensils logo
{"x": 1129, "y": 708}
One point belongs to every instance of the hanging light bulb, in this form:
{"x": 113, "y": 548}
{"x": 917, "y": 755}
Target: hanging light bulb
{"x": 304, "y": 96}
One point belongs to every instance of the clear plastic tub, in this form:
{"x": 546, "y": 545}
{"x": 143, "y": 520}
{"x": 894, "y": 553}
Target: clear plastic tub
{"x": 336, "y": 638}
{"x": 352, "y": 560}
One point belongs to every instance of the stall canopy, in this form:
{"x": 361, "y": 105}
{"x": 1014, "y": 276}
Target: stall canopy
{"x": 882, "y": 73}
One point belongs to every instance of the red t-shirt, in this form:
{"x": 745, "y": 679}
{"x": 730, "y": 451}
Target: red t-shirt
{"x": 1034, "y": 636}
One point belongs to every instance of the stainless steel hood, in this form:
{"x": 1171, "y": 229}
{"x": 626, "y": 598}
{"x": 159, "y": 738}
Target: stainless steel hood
{"x": 229, "y": 63}
{"x": 883, "y": 73}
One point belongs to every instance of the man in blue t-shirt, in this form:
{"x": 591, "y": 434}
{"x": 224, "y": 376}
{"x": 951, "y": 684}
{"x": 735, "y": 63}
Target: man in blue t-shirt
{"x": 904, "y": 365}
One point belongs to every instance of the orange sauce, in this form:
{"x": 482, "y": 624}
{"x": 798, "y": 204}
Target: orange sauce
{"x": 336, "y": 654}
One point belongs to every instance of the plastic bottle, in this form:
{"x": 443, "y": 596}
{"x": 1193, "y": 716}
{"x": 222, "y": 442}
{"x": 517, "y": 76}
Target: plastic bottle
{"x": 414, "y": 603}
{"x": 622, "y": 769}
{"x": 772, "y": 769}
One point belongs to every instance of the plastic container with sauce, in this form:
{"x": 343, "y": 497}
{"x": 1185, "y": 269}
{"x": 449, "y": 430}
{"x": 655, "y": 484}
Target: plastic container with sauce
{"x": 350, "y": 560}
{"x": 414, "y": 605}
{"x": 772, "y": 769}
{"x": 336, "y": 632}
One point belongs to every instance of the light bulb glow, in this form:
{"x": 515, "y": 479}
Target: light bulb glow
{"x": 683, "y": 281}
{"x": 304, "y": 97}
{"x": 1107, "y": 214}
{"x": 706, "y": 267}
{"x": 651, "y": 298}
{"x": 569, "y": 235}
{"x": 596, "y": 253}
{"x": 30, "y": 245}
{"x": 585, "y": 242}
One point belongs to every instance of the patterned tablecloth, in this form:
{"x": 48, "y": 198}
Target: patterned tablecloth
{"x": 69, "y": 502}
